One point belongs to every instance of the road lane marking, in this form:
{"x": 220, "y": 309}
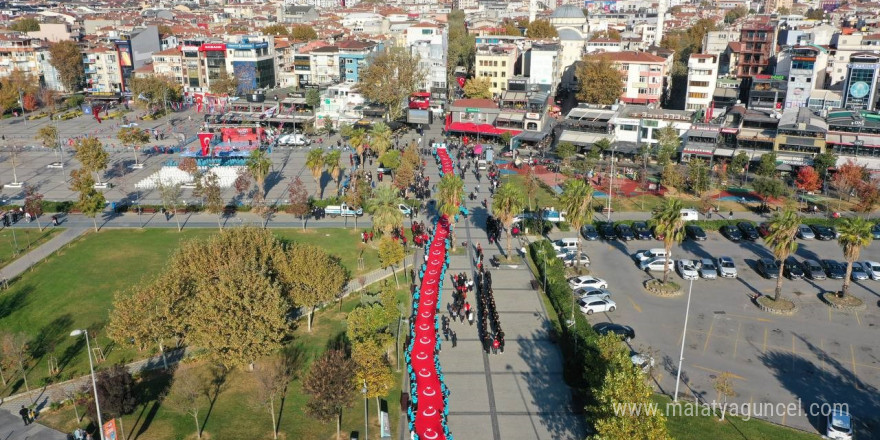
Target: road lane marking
{"x": 708, "y": 336}
{"x": 736, "y": 342}
{"x": 829, "y": 315}
{"x": 635, "y": 306}
{"x": 858, "y": 320}
{"x": 754, "y": 318}
{"x": 764, "y": 347}
{"x": 734, "y": 376}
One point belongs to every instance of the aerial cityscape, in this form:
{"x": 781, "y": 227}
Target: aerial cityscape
{"x": 437, "y": 220}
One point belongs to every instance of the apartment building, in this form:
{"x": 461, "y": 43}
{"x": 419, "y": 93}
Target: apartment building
{"x": 19, "y": 52}
{"x": 702, "y": 78}
{"x": 644, "y": 76}
{"x": 847, "y": 46}
{"x": 862, "y": 81}
{"x": 805, "y": 68}
{"x": 324, "y": 65}
{"x": 497, "y": 63}
{"x": 756, "y": 47}
{"x": 169, "y": 63}
{"x": 430, "y": 42}
{"x": 103, "y": 73}
{"x": 252, "y": 60}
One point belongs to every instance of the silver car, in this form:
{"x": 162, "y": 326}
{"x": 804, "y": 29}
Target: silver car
{"x": 804, "y": 232}
{"x": 708, "y": 269}
{"x": 872, "y": 268}
{"x": 591, "y": 293}
{"x": 858, "y": 272}
{"x": 687, "y": 269}
{"x": 726, "y": 267}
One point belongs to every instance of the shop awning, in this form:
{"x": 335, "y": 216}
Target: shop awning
{"x": 533, "y": 136}
{"x": 625, "y": 147}
{"x": 724, "y": 152}
{"x": 582, "y": 138}
{"x": 487, "y": 129}
{"x": 699, "y": 151}
{"x": 511, "y": 117}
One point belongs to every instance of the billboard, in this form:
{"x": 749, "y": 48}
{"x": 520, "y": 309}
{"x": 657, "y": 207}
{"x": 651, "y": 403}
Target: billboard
{"x": 246, "y": 73}
{"x": 247, "y": 46}
{"x": 126, "y": 66}
{"x": 212, "y": 47}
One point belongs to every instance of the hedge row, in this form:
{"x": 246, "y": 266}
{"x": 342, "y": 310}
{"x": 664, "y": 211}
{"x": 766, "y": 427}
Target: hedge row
{"x": 583, "y": 368}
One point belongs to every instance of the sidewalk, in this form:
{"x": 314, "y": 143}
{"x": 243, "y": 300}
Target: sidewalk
{"x": 24, "y": 262}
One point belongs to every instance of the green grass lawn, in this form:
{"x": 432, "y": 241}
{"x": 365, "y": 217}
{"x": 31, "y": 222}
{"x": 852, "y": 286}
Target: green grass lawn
{"x": 74, "y": 289}
{"x": 25, "y": 239}
{"x": 543, "y": 196}
{"x": 683, "y": 427}
{"x": 236, "y": 415}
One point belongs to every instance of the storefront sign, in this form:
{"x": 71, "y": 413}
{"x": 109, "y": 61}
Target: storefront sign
{"x": 247, "y": 46}
{"x": 778, "y": 77}
{"x": 533, "y": 116}
{"x": 212, "y": 47}
{"x": 471, "y": 110}
{"x": 803, "y": 58}
{"x": 730, "y": 130}
{"x": 111, "y": 94}
{"x": 705, "y": 127}
{"x": 623, "y": 121}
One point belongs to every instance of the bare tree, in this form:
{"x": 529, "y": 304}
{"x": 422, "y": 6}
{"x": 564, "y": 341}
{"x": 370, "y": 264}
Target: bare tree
{"x": 272, "y": 376}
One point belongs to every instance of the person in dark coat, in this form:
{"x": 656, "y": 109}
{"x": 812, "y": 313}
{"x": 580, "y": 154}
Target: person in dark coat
{"x": 25, "y": 416}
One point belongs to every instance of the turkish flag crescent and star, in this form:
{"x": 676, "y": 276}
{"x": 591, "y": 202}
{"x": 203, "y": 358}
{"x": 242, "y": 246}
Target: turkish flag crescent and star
{"x": 96, "y": 110}
{"x": 205, "y": 142}
{"x": 199, "y": 103}
{"x": 460, "y": 80}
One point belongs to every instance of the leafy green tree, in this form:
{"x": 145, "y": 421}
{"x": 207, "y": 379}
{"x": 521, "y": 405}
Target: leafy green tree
{"x": 511, "y": 29}
{"x": 155, "y": 91}
{"x": 391, "y": 159}
{"x": 391, "y": 253}
{"x": 384, "y": 208}
{"x": 25, "y": 25}
{"x": 739, "y": 162}
{"x": 66, "y": 58}
{"x": 672, "y": 176}
{"x": 541, "y": 29}
{"x": 815, "y": 14}
{"x": 565, "y": 151}
{"x": 390, "y": 78}
{"x": 509, "y": 201}
{"x": 479, "y": 87}
{"x": 782, "y": 240}
{"x": 18, "y": 84}
{"x": 276, "y": 30}
{"x": 855, "y": 233}
{"x": 258, "y": 165}
{"x": 600, "y": 81}
{"x": 171, "y": 199}
{"x": 767, "y": 187}
{"x": 90, "y": 201}
{"x": 358, "y": 141}
{"x": 208, "y": 188}
{"x": 531, "y": 185}
{"x": 576, "y": 200}
{"x": 373, "y": 370}
{"x": 225, "y": 84}
{"x": 303, "y": 32}
{"x": 380, "y": 138}
{"x": 698, "y": 175}
{"x": 404, "y": 176}
{"x": 329, "y": 386}
{"x": 735, "y": 14}
{"x": 48, "y": 136}
{"x": 134, "y": 137}
{"x": 822, "y": 162}
{"x": 299, "y": 200}
{"x": 783, "y": 10}
{"x": 33, "y": 203}
{"x": 315, "y": 163}
{"x": 91, "y": 154}
{"x": 767, "y": 165}
{"x": 312, "y": 277}
{"x": 669, "y": 223}
{"x": 668, "y": 143}
{"x": 450, "y": 192}
{"x": 313, "y": 98}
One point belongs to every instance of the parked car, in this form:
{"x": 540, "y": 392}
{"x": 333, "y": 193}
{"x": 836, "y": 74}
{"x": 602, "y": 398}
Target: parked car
{"x": 823, "y": 232}
{"x": 587, "y": 281}
{"x": 875, "y": 231}
{"x": 731, "y": 232}
{"x": 748, "y": 230}
{"x": 624, "y": 232}
{"x": 872, "y": 268}
{"x": 596, "y": 305}
{"x": 625, "y": 332}
{"x": 804, "y": 232}
{"x": 592, "y": 293}
{"x": 589, "y": 232}
{"x": 792, "y": 269}
{"x": 571, "y": 259}
{"x": 768, "y": 268}
{"x": 606, "y": 230}
{"x": 840, "y": 426}
{"x": 640, "y": 229}
{"x": 834, "y": 269}
{"x": 648, "y": 254}
{"x": 763, "y": 229}
{"x": 565, "y": 244}
{"x": 694, "y": 232}
{"x": 687, "y": 269}
{"x": 404, "y": 209}
{"x": 858, "y": 272}
{"x": 708, "y": 269}
{"x": 813, "y": 270}
{"x": 726, "y": 267}
{"x": 656, "y": 264}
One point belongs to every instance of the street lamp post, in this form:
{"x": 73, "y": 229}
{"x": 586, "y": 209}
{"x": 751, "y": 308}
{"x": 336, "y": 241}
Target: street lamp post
{"x": 366, "y": 426}
{"x": 683, "y": 334}
{"x": 611, "y": 182}
{"x": 85, "y": 333}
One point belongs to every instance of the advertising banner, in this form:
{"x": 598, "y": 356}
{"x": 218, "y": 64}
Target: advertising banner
{"x": 110, "y": 430}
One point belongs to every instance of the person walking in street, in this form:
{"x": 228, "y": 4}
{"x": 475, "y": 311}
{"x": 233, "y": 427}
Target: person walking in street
{"x": 454, "y": 339}
{"x": 25, "y": 415}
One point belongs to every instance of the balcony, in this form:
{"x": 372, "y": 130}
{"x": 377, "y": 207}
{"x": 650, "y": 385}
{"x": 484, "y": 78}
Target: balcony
{"x": 90, "y": 70}
{"x": 88, "y": 60}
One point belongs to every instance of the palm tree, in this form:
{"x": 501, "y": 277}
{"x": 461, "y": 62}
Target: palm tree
{"x": 380, "y": 138}
{"x": 315, "y": 163}
{"x": 509, "y": 201}
{"x": 357, "y": 139}
{"x": 450, "y": 191}
{"x": 855, "y": 233}
{"x": 783, "y": 228}
{"x": 258, "y": 164}
{"x": 670, "y": 225}
{"x": 331, "y": 160}
{"x": 576, "y": 198}
{"x": 384, "y": 207}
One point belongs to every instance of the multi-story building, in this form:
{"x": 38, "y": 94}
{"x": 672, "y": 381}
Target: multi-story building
{"x": 702, "y": 77}
{"x": 103, "y": 73}
{"x": 585, "y": 125}
{"x": 757, "y": 47}
{"x": 55, "y": 32}
{"x": 169, "y": 63}
{"x": 497, "y": 63}
{"x": 252, "y": 60}
{"x": 542, "y": 64}
{"x": 862, "y": 81}
{"x": 824, "y": 100}
{"x": 644, "y": 76}
{"x": 637, "y": 126}
{"x": 190, "y": 63}
{"x": 353, "y": 56}
{"x": 430, "y": 42}
{"x": 324, "y": 65}
{"x": 847, "y": 46}
{"x": 855, "y": 135}
{"x": 774, "y": 5}
{"x": 800, "y": 135}
{"x": 51, "y": 78}
{"x": 804, "y": 66}
{"x": 19, "y": 52}
{"x": 212, "y": 63}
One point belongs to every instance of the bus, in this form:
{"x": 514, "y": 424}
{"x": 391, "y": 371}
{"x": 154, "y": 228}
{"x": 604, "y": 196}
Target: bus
{"x": 420, "y": 101}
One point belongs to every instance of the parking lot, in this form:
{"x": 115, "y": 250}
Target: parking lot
{"x": 820, "y": 355}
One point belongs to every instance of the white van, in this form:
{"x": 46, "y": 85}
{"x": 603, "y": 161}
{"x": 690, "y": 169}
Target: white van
{"x": 650, "y": 253}
{"x": 481, "y": 164}
{"x": 565, "y": 244}
{"x": 689, "y": 215}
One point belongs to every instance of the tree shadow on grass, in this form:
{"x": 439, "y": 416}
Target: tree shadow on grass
{"x": 9, "y": 303}
{"x": 151, "y": 390}
{"x": 340, "y": 342}
{"x": 50, "y": 335}
{"x": 294, "y": 359}
{"x": 215, "y": 384}
{"x": 71, "y": 352}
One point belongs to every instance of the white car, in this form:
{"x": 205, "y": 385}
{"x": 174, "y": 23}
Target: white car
{"x": 597, "y": 305}
{"x": 839, "y": 425}
{"x": 129, "y": 125}
{"x": 726, "y": 268}
{"x": 656, "y": 264}
{"x": 587, "y": 281}
{"x": 570, "y": 258}
{"x": 708, "y": 269}
{"x": 591, "y": 293}
{"x": 872, "y": 268}
{"x": 687, "y": 269}
{"x": 404, "y": 209}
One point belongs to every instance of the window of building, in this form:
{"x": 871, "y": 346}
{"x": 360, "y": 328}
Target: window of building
{"x": 699, "y": 84}
{"x": 503, "y": 63}
{"x": 695, "y": 95}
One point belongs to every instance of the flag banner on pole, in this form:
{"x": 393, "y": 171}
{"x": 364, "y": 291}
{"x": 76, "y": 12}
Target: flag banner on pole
{"x": 205, "y": 142}
{"x": 109, "y": 429}
{"x": 96, "y": 112}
